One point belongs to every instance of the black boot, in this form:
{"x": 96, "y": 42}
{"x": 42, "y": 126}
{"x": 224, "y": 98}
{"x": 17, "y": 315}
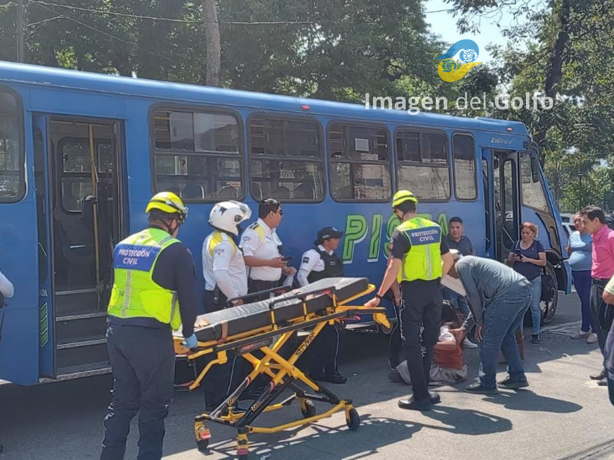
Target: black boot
{"x": 413, "y": 404}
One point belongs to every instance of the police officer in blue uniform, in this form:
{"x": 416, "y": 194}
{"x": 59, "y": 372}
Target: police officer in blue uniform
{"x": 319, "y": 263}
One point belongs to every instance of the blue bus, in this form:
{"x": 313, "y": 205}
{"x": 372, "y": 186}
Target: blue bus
{"x": 81, "y": 154}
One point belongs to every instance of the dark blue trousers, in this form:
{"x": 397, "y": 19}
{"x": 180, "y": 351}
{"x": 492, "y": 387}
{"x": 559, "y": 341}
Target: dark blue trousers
{"x": 582, "y": 281}
{"x": 143, "y": 363}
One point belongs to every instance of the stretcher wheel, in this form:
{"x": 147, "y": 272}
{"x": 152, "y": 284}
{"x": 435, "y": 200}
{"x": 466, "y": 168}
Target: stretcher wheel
{"x": 354, "y": 420}
{"x": 202, "y": 445}
{"x": 310, "y": 409}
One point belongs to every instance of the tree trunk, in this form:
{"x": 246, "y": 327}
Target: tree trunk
{"x": 554, "y": 75}
{"x": 211, "y": 75}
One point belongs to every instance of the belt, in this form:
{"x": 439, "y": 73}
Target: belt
{"x": 601, "y": 280}
{"x": 436, "y": 280}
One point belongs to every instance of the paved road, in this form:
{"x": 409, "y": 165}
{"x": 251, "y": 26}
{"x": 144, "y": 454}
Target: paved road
{"x": 562, "y": 415}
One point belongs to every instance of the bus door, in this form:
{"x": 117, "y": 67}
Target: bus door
{"x": 506, "y": 201}
{"x": 487, "y": 186}
{"x": 85, "y": 220}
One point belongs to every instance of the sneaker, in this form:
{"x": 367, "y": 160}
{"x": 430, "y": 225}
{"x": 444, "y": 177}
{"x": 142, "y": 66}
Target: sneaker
{"x": 581, "y": 335}
{"x": 535, "y": 339}
{"x": 513, "y": 384}
{"x": 469, "y": 344}
{"x": 434, "y": 397}
{"x": 478, "y": 388}
{"x": 592, "y": 338}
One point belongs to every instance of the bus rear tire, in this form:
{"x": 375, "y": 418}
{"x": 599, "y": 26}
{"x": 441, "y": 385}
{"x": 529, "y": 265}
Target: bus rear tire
{"x": 548, "y": 309}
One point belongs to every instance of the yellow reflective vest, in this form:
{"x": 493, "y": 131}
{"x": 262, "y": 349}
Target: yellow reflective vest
{"x": 423, "y": 261}
{"x": 135, "y": 294}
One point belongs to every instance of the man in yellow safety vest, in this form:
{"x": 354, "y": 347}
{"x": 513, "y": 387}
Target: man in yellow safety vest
{"x": 420, "y": 257}
{"x": 153, "y": 294}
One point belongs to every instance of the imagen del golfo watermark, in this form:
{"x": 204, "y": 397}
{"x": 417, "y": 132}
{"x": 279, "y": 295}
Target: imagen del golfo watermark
{"x": 414, "y": 104}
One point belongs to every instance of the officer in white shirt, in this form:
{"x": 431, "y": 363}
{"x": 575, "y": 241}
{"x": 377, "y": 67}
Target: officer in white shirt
{"x": 225, "y": 278}
{"x": 319, "y": 263}
{"x": 223, "y": 264}
{"x": 262, "y": 249}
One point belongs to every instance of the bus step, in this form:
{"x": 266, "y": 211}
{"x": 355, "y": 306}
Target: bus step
{"x": 96, "y": 340}
{"x": 82, "y": 352}
{"x": 84, "y": 370}
{"x": 71, "y": 328}
{"x": 73, "y": 302}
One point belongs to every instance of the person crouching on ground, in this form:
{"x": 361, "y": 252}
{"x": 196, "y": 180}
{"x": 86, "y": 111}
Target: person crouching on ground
{"x": 499, "y": 298}
{"x": 447, "y": 367}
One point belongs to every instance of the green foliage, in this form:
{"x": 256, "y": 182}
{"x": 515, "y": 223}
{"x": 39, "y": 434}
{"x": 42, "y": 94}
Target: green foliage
{"x": 343, "y": 49}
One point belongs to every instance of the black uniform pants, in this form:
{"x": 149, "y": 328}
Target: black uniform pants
{"x": 601, "y": 313}
{"x": 143, "y": 364}
{"x": 222, "y": 379}
{"x": 322, "y": 354}
{"x": 260, "y": 285}
{"x": 214, "y": 301}
{"x": 420, "y": 308}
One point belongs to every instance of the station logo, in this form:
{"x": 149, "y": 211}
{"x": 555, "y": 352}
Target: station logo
{"x": 458, "y": 60}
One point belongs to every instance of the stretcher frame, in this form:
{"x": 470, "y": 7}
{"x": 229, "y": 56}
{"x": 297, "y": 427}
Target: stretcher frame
{"x": 283, "y": 372}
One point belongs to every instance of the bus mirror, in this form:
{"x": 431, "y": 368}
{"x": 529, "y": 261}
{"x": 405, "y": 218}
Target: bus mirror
{"x": 535, "y": 169}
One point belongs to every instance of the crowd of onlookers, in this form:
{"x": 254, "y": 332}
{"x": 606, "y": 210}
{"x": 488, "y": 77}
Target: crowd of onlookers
{"x": 591, "y": 259}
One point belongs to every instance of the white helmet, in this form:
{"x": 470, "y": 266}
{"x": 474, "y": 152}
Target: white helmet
{"x": 227, "y": 215}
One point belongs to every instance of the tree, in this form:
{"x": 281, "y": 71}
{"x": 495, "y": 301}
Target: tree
{"x": 212, "y": 34}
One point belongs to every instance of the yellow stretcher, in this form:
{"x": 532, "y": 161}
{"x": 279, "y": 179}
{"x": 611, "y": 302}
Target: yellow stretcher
{"x": 273, "y": 322}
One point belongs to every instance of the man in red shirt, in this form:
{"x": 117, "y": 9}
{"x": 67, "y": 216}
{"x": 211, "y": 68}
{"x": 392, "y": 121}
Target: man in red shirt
{"x": 601, "y": 272}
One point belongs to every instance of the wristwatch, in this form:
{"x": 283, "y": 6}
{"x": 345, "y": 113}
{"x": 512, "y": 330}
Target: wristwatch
{"x": 377, "y": 296}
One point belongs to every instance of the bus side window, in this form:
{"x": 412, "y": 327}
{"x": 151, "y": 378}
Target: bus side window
{"x": 464, "y": 167}
{"x": 197, "y": 155}
{"x": 532, "y": 192}
{"x": 12, "y": 180}
{"x": 422, "y": 164}
{"x": 359, "y": 163}
{"x": 286, "y": 159}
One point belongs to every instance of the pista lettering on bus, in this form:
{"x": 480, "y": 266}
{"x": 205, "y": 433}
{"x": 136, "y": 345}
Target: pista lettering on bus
{"x": 357, "y": 229}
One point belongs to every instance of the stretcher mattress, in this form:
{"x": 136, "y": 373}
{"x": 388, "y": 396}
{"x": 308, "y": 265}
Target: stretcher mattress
{"x": 237, "y": 320}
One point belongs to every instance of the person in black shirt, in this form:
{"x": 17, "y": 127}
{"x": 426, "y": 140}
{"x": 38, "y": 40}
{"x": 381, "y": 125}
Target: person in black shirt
{"x": 153, "y": 271}
{"x": 457, "y": 240}
{"x": 316, "y": 264}
{"x": 420, "y": 257}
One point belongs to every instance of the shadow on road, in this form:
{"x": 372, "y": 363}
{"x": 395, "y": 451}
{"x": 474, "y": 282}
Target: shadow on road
{"x": 526, "y": 400}
{"x": 373, "y": 434}
{"x": 73, "y": 411}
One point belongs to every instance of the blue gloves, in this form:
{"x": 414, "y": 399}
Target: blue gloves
{"x": 191, "y": 342}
